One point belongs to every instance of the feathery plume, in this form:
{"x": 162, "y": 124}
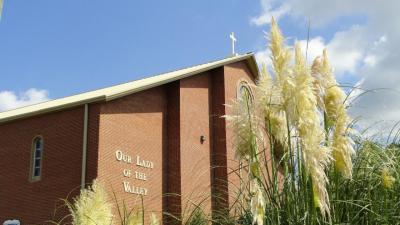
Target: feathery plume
{"x": 269, "y": 100}
{"x": 342, "y": 147}
{"x": 334, "y": 95}
{"x": 335, "y": 111}
{"x": 387, "y": 179}
{"x": 244, "y": 122}
{"x": 91, "y": 207}
{"x": 135, "y": 218}
{"x": 257, "y": 204}
{"x": 1, "y": 8}
{"x": 153, "y": 219}
{"x": 320, "y": 83}
{"x": 315, "y": 156}
{"x": 280, "y": 56}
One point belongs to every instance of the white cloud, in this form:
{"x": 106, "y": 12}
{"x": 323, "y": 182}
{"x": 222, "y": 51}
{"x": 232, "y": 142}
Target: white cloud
{"x": 10, "y": 100}
{"x": 346, "y": 50}
{"x": 268, "y": 12}
{"x": 315, "y": 47}
{"x": 370, "y": 60}
{"x": 262, "y": 57}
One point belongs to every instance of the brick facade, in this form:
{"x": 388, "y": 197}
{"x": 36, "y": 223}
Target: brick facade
{"x": 164, "y": 125}
{"x": 35, "y": 202}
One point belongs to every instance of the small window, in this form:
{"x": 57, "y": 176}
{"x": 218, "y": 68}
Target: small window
{"x": 37, "y": 154}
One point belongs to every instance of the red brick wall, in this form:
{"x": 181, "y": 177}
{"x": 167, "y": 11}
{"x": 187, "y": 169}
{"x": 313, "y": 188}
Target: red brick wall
{"x": 195, "y": 156}
{"x": 218, "y": 156}
{"x": 162, "y": 124}
{"x": 135, "y": 125}
{"x": 35, "y": 202}
{"x": 167, "y": 123}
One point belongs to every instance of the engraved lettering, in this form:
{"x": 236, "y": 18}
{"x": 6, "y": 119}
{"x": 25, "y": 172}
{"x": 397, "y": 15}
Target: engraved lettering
{"x": 134, "y": 190}
{"x": 127, "y": 187}
{"x": 144, "y": 163}
{"x": 127, "y": 173}
{"x": 120, "y": 156}
{"x": 140, "y": 176}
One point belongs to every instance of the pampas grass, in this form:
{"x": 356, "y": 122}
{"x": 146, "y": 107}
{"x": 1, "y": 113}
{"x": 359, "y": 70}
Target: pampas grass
{"x": 332, "y": 103}
{"x": 304, "y": 163}
{"x": 316, "y": 156}
{"x": 1, "y": 7}
{"x": 91, "y": 207}
{"x": 387, "y": 179}
{"x": 312, "y": 173}
{"x": 249, "y": 142}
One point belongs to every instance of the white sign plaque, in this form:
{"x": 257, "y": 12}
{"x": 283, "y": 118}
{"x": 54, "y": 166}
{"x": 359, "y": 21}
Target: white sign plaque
{"x": 12, "y": 222}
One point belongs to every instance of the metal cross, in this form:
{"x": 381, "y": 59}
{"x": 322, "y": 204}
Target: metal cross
{"x": 232, "y": 37}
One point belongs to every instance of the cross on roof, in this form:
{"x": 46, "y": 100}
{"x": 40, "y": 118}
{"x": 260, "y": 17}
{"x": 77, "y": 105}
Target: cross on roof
{"x": 233, "y": 39}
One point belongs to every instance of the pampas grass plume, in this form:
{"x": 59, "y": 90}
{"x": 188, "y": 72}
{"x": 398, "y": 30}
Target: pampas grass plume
{"x": 91, "y": 207}
{"x": 387, "y": 179}
{"x": 307, "y": 120}
{"x": 337, "y": 117}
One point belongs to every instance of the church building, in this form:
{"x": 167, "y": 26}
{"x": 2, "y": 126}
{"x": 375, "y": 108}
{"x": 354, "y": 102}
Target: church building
{"x": 160, "y": 139}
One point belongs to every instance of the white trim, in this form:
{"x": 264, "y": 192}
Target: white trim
{"x": 118, "y": 91}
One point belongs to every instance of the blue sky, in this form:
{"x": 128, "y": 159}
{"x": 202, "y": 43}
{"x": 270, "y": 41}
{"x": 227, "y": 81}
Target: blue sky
{"x": 66, "y": 47}
{"x": 72, "y": 46}
{"x": 55, "y": 48}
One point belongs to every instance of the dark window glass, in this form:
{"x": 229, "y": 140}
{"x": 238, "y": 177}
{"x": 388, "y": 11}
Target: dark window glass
{"x": 38, "y": 143}
{"x": 37, "y": 172}
{"x": 37, "y": 154}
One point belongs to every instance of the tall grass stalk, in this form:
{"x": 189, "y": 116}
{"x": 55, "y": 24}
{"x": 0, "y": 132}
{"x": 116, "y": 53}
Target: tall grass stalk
{"x": 305, "y": 164}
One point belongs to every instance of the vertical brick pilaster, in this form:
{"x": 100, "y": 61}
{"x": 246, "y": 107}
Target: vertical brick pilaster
{"x": 172, "y": 195}
{"x": 219, "y": 160}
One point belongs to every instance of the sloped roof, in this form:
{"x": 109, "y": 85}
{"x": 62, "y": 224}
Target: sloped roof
{"x": 121, "y": 90}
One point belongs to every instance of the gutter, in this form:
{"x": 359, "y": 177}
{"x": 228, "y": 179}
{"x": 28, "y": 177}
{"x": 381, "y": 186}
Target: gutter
{"x": 248, "y": 57}
{"x": 84, "y": 145}
{"x": 108, "y": 94}
{"x": 51, "y": 109}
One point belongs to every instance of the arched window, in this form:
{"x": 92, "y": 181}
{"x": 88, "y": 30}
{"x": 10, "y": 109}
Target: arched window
{"x": 37, "y": 155}
{"x": 244, "y": 91}
{"x": 246, "y": 97}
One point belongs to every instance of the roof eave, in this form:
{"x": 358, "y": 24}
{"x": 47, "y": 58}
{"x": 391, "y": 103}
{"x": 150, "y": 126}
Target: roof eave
{"x": 249, "y": 57}
{"x": 53, "y": 109}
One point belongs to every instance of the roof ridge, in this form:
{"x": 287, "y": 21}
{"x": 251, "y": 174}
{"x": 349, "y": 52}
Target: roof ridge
{"x": 127, "y": 82}
{"x": 117, "y": 90}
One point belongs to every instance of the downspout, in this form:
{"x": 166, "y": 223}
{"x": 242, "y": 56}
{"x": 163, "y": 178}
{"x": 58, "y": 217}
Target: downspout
{"x": 84, "y": 146}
